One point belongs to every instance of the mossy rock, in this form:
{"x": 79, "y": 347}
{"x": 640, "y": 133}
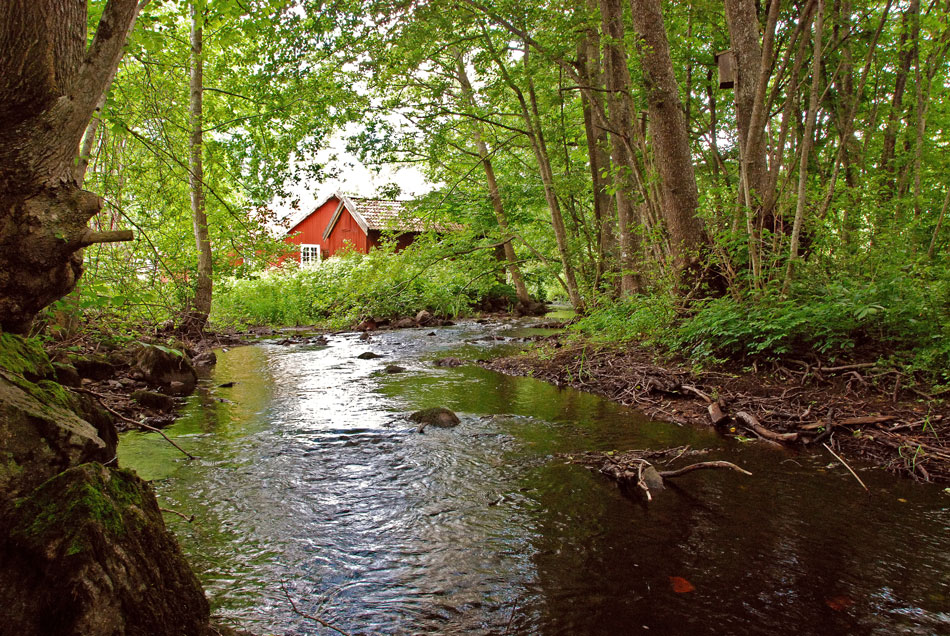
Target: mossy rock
{"x": 42, "y": 433}
{"x": 93, "y": 366}
{"x": 437, "y": 416}
{"x": 87, "y": 552}
{"x": 24, "y": 356}
{"x": 67, "y": 375}
{"x": 153, "y": 400}
{"x": 162, "y": 366}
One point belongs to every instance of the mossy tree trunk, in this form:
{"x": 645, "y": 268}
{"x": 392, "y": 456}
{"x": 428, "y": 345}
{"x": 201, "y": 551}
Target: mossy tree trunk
{"x": 50, "y": 84}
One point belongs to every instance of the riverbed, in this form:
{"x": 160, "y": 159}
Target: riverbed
{"x": 311, "y": 486}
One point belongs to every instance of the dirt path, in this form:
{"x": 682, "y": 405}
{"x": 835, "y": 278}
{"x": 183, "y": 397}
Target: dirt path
{"x": 840, "y": 406}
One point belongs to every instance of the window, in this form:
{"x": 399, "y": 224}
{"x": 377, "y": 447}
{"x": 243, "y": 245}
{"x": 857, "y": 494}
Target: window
{"x": 309, "y": 254}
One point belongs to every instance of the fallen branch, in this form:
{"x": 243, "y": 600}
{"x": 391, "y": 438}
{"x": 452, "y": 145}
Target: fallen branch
{"x": 697, "y": 392}
{"x": 845, "y": 464}
{"x": 716, "y": 415}
{"x": 667, "y": 474}
{"x": 188, "y": 518}
{"x": 749, "y": 420}
{"x": 309, "y": 616}
{"x": 111, "y": 410}
{"x": 870, "y": 419}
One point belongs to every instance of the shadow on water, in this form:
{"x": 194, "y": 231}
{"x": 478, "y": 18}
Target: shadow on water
{"x": 310, "y": 477}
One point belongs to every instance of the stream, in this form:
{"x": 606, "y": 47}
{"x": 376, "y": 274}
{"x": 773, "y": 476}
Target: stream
{"x": 311, "y": 486}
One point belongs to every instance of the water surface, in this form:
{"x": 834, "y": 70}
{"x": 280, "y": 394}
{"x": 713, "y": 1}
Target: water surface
{"x": 311, "y": 484}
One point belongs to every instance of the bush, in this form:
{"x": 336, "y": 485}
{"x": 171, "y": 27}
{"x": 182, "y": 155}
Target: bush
{"x": 344, "y": 289}
{"x": 898, "y": 316}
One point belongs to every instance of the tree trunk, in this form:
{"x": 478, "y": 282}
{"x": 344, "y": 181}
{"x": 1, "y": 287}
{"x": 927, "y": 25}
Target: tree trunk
{"x": 680, "y": 197}
{"x": 808, "y": 140}
{"x": 550, "y": 195}
{"x": 532, "y": 120}
{"x": 493, "y": 192}
{"x": 909, "y": 24}
{"x": 743, "y": 27}
{"x": 198, "y": 317}
{"x": 50, "y": 84}
{"x": 617, "y": 80}
{"x": 588, "y": 62}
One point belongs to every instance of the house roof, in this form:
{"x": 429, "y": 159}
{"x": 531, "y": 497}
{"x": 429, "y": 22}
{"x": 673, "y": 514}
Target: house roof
{"x": 374, "y": 214}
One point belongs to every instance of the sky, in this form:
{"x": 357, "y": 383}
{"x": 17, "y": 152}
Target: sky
{"x": 354, "y": 178}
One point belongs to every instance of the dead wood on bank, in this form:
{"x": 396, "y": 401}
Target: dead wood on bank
{"x": 630, "y": 469}
{"x": 850, "y": 407}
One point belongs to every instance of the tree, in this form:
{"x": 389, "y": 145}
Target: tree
{"x": 197, "y": 318}
{"x": 679, "y": 198}
{"x": 50, "y": 84}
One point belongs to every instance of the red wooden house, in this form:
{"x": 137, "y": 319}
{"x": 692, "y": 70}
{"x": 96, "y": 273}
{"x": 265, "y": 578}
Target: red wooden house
{"x": 356, "y": 222}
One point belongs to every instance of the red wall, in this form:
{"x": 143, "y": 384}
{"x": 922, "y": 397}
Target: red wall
{"x": 403, "y": 241}
{"x": 310, "y": 231}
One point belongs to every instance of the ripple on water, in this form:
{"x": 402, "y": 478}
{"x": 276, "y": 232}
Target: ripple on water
{"x": 313, "y": 482}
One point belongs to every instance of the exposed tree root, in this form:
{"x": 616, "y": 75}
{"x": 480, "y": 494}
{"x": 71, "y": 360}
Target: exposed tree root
{"x": 850, "y": 407}
{"x": 631, "y": 469}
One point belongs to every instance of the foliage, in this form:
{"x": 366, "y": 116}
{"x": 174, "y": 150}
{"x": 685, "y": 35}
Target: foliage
{"x": 349, "y": 287}
{"x": 898, "y": 316}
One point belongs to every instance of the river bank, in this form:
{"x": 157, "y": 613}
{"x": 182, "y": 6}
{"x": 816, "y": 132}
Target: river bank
{"x": 797, "y": 404}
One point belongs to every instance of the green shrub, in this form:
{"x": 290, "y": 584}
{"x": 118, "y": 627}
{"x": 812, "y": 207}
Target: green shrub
{"x": 344, "y": 289}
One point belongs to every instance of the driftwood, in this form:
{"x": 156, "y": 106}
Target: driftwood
{"x": 631, "y": 468}
{"x": 752, "y": 423}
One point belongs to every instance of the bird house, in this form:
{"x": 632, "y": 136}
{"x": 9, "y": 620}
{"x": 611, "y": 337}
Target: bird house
{"x": 726, "y": 62}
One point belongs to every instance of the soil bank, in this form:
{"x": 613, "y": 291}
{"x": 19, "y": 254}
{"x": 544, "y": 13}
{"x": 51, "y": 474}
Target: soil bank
{"x": 807, "y": 406}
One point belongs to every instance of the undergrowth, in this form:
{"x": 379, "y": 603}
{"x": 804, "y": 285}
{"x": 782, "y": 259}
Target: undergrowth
{"x": 897, "y": 318}
{"x": 344, "y": 289}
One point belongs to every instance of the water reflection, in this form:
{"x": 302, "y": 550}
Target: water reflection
{"x": 308, "y": 479}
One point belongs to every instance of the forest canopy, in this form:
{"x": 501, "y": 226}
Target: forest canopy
{"x": 729, "y": 178}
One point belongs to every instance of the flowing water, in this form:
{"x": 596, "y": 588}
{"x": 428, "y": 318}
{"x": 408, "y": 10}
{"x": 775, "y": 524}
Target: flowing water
{"x": 311, "y": 487}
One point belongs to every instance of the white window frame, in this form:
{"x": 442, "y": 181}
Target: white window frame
{"x": 309, "y": 254}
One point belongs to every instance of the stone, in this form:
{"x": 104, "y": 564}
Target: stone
{"x": 368, "y": 355}
{"x": 364, "y": 336}
{"x": 423, "y": 317}
{"x": 87, "y": 553}
{"x": 177, "y": 388}
{"x": 394, "y": 368}
{"x": 437, "y": 416}
{"x": 24, "y": 356}
{"x": 42, "y": 434}
{"x": 154, "y": 400}
{"x": 205, "y": 359}
{"x": 94, "y": 367}
{"x": 404, "y": 323}
{"x": 67, "y": 375}
{"x": 160, "y": 366}
{"x": 367, "y": 325}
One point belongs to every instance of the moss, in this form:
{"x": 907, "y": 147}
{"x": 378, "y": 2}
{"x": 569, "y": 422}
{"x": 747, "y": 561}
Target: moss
{"x": 54, "y": 393}
{"x": 9, "y": 468}
{"x": 73, "y": 507}
{"x": 24, "y": 356}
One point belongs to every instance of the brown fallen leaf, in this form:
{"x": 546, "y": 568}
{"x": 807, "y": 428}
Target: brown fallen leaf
{"x": 839, "y": 603}
{"x": 681, "y": 585}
